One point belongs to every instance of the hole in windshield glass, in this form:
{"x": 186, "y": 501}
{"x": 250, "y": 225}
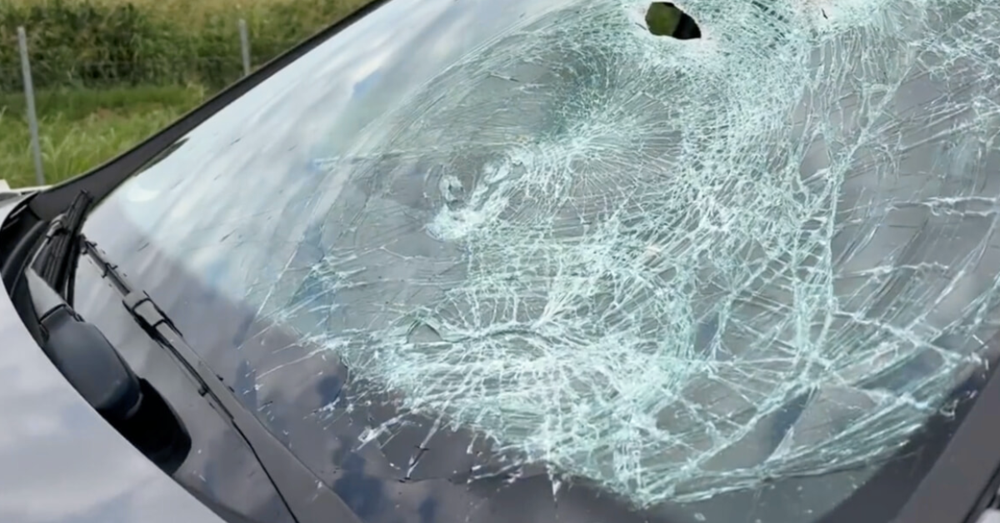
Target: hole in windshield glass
{"x": 666, "y": 19}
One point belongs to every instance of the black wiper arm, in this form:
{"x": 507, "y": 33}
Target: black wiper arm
{"x": 56, "y": 261}
{"x": 303, "y": 493}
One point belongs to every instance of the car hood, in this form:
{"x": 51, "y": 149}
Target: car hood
{"x": 61, "y": 461}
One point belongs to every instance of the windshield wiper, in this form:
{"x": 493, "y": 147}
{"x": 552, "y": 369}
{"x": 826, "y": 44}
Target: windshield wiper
{"x": 304, "y": 494}
{"x": 129, "y": 403}
{"x": 55, "y": 262}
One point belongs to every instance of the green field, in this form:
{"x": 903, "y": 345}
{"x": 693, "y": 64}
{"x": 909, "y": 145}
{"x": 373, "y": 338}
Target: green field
{"x": 80, "y": 129}
{"x": 109, "y": 73}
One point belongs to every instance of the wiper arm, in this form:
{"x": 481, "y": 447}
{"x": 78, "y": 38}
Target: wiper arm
{"x": 56, "y": 261}
{"x": 79, "y": 350}
{"x": 304, "y": 494}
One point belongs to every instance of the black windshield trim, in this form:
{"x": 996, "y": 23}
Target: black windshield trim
{"x": 956, "y": 456}
{"x": 965, "y": 477}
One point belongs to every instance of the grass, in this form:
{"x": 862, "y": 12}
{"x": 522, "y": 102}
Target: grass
{"x": 186, "y": 11}
{"x": 80, "y": 129}
{"x": 107, "y": 43}
{"x": 109, "y": 73}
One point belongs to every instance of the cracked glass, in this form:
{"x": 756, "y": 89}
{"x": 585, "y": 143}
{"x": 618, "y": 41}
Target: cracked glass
{"x": 671, "y": 269}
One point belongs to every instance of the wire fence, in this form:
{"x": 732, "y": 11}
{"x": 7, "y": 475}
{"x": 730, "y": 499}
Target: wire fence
{"x": 38, "y": 85}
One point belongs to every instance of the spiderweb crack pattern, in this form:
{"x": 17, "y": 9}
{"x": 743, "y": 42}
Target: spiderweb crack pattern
{"x": 679, "y": 268}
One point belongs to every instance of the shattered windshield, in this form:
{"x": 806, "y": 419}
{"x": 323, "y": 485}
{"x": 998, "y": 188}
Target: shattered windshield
{"x": 671, "y": 268}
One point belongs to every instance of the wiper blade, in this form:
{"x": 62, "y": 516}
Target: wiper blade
{"x": 56, "y": 262}
{"x": 304, "y": 494}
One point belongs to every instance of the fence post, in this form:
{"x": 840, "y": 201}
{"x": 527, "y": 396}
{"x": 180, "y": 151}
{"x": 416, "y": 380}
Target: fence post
{"x": 245, "y": 46}
{"x": 29, "y": 96}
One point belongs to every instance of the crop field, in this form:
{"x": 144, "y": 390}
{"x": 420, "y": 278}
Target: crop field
{"x": 108, "y": 73}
